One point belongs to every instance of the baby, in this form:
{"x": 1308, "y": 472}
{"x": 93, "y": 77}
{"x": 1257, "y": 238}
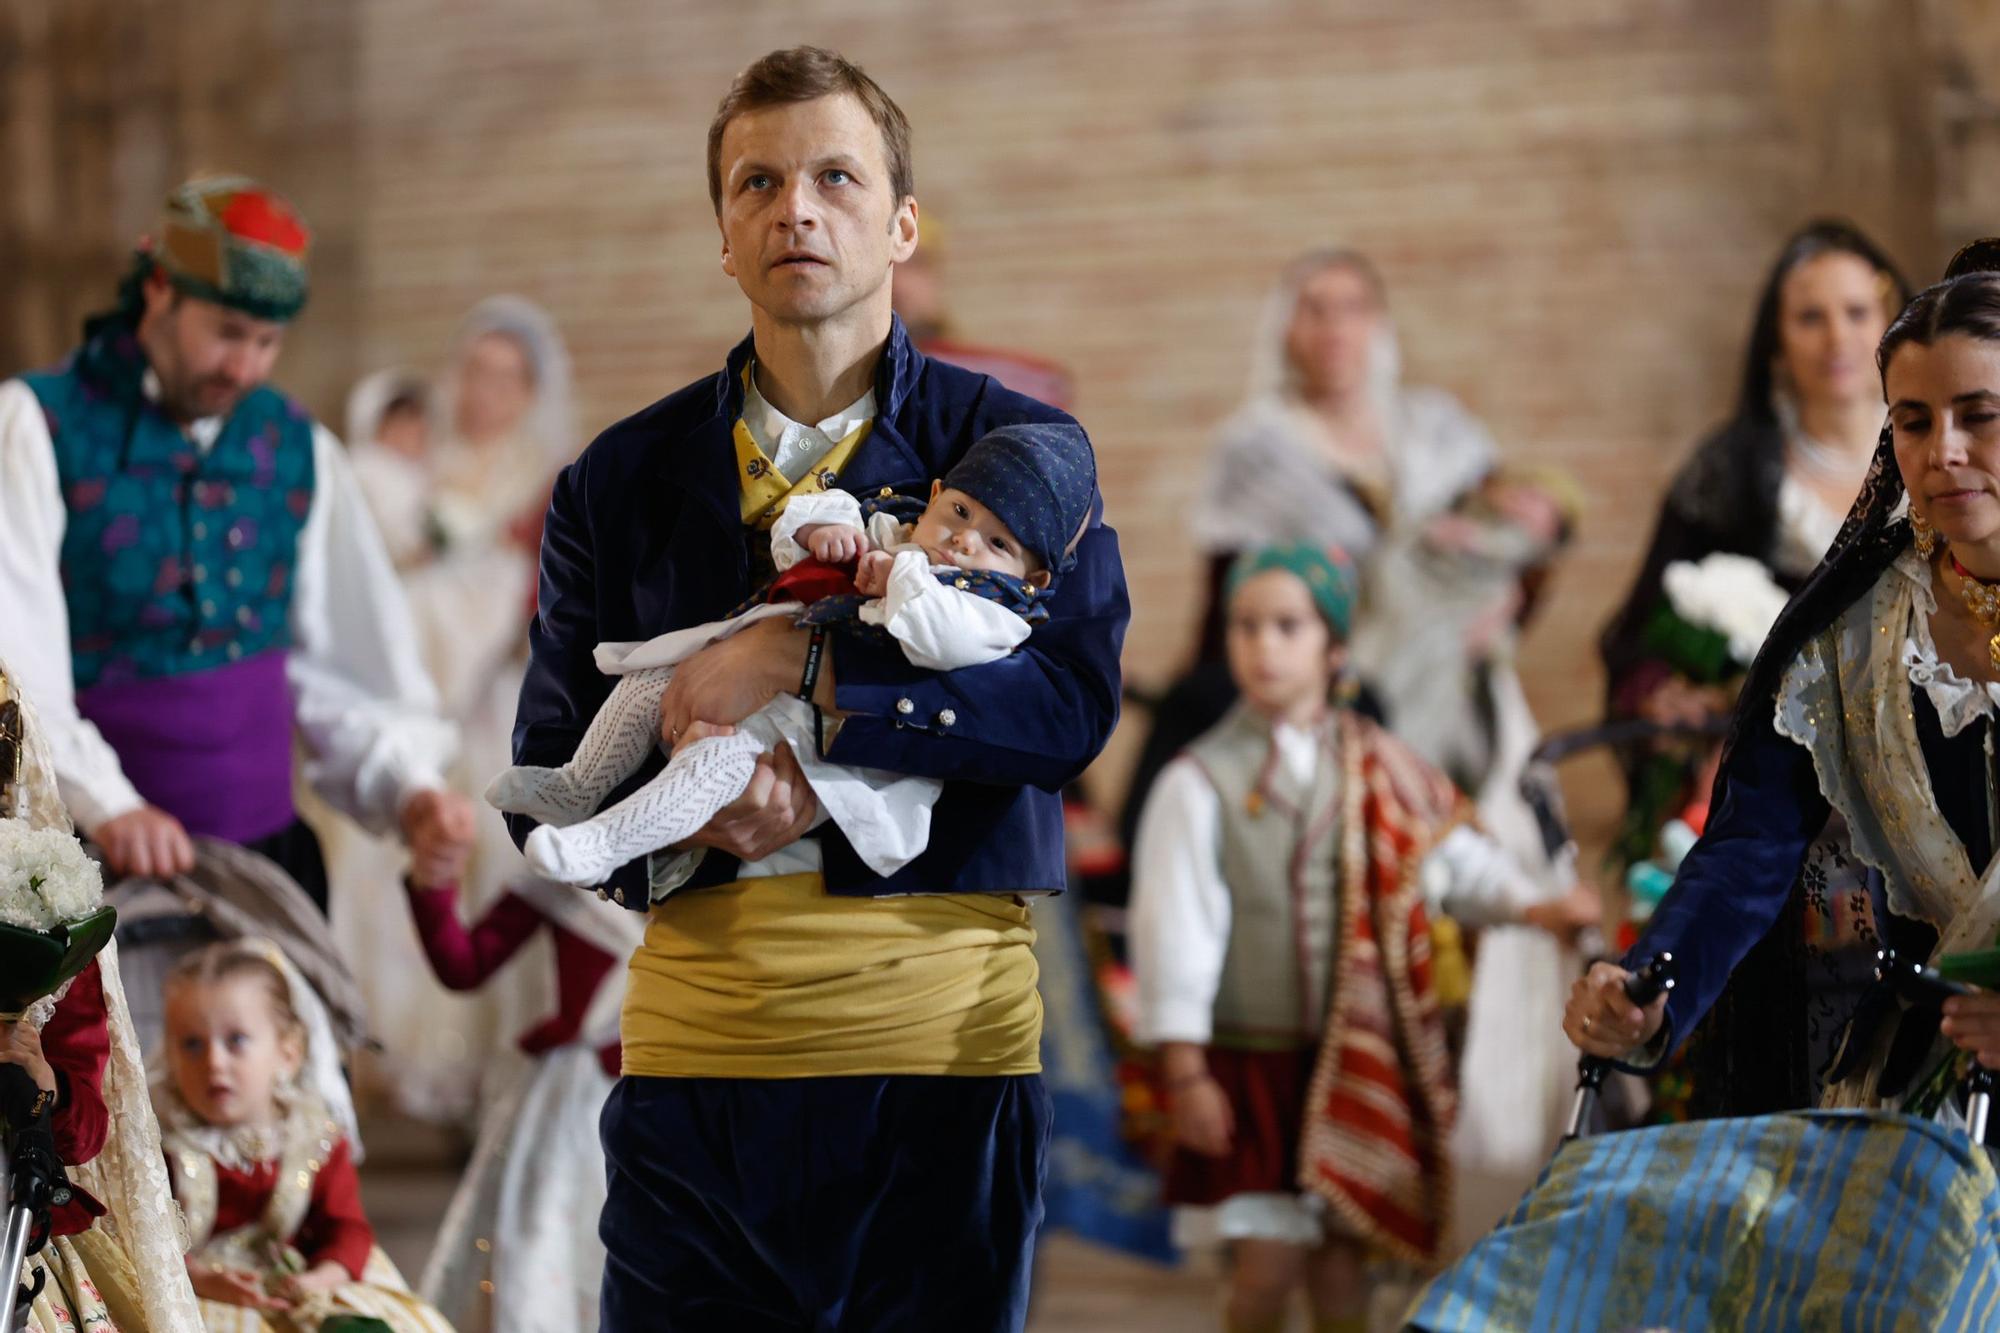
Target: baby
{"x": 955, "y": 582}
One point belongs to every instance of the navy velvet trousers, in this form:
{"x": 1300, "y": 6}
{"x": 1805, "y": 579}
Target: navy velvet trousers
{"x": 861, "y": 1204}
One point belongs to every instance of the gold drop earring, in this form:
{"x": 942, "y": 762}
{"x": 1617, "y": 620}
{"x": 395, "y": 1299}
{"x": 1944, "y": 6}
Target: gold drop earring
{"x": 1925, "y": 536}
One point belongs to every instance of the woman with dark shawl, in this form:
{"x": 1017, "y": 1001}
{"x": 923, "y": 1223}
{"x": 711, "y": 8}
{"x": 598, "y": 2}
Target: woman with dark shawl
{"x": 1772, "y": 483}
{"x": 1859, "y": 798}
{"x": 1807, "y": 412}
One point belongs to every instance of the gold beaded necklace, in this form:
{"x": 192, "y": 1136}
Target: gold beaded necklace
{"x": 1982, "y": 599}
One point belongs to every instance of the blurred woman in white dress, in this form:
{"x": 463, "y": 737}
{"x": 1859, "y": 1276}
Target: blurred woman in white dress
{"x": 465, "y": 524}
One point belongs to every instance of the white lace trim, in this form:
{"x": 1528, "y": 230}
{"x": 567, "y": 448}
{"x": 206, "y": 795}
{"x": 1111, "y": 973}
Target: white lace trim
{"x": 1843, "y": 699}
{"x": 1959, "y": 702}
{"x": 38, "y": 1014}
{"x": 1808, "y": 674}
{"x": 241, "y": 1147}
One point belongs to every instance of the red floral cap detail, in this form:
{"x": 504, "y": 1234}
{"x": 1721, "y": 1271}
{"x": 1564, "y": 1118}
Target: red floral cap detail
{"x": 257, "y": 216}
{"x": 229, "y": 240}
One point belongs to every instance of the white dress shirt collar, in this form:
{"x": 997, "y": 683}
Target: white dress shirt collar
{"x": 792, "y": 446}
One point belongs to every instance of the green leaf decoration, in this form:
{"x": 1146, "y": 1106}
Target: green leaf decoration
{"x": 1702, "y": 655}
{"x": 1980, "y": 968}
{"x": 34, "y": 963}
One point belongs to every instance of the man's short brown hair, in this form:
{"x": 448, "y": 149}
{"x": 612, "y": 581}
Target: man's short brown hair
{"x": 804, "y": 74}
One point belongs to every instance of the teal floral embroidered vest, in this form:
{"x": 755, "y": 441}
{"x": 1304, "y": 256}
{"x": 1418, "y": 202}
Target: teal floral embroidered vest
{"x": 173, "y": 561}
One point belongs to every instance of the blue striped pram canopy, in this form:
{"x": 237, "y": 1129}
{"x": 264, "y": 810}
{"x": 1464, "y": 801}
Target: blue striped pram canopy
{"x": 1811, "y": 1220}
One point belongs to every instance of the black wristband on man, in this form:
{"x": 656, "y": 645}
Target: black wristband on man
{"x": 815, "y": 657}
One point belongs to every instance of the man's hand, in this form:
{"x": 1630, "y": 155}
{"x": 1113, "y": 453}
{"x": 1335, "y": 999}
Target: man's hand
{"x": 438, "y": 825}
{"x": 733, "y": 678}
{"x": 871, "y": 576}
{"x": 1196, "y": 1103}
{"x": 835, "y": 543}
{"x": 147, "y": 841}
{"x": 1202, "y": 1120}
{"x": 773, "y": 812}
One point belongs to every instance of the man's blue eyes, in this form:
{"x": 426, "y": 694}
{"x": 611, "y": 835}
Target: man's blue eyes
{"x": 834, "y": 176}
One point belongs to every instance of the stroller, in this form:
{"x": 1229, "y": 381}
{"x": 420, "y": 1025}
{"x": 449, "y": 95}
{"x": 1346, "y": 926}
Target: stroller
{"x": 231, "y": 892}
{"x": 1818, "y": 1219}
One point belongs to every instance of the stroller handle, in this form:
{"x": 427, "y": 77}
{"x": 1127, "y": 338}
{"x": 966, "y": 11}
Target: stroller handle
{"x": 1918, "y": 984}
{"x": 1652, "y": 981}
{"x": 1642, "y": 987}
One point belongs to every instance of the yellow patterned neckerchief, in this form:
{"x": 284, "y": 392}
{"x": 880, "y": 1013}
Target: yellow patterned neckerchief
{"x": 766, "y": 491}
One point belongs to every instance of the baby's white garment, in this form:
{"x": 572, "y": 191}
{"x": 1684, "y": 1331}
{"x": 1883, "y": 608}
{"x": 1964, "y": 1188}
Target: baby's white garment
{"x": 885, "y": 816}
{"x": 703, "y": 777}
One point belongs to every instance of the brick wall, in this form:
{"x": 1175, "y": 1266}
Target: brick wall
{"x": 105, "y": 105}
{"x": 1573, "y": 201}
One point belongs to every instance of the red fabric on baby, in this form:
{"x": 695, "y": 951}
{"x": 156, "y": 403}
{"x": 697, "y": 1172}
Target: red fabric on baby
{"x": 811, "y": 579}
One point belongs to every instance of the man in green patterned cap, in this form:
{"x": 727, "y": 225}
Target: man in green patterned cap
{"x": 219, "y": 285}
{"x": 171, "y": 530}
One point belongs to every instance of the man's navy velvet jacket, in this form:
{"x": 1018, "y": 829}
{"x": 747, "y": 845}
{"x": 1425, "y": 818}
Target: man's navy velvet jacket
{"x": 645, "y": 536}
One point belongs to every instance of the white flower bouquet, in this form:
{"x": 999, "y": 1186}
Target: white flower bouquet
{"x": 53, "y": 919}
{"x": 1717, "y": 613}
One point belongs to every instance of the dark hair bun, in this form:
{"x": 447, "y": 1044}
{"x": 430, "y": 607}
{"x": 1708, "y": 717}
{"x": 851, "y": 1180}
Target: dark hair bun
{"x": 1981, "y": 256}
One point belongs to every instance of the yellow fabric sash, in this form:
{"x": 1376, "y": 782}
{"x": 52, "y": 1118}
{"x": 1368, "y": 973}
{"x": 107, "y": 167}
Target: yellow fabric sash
{"x": 776, "y": 978}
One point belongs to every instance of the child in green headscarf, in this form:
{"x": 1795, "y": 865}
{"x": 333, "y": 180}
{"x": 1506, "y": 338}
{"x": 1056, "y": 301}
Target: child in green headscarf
{"x": 1284, "y": 875}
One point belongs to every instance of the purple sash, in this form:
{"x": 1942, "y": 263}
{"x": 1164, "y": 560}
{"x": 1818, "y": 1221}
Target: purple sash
{"x": 211, "y": 748}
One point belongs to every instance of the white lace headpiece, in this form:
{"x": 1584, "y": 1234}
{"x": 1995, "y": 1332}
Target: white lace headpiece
{"x": 320, "y": 1074}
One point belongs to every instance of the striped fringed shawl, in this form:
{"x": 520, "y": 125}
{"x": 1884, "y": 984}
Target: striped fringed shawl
{"x": 1380, "y": 1105}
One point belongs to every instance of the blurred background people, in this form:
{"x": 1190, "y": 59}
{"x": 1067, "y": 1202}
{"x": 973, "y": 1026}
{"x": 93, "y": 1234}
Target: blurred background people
{"x": 1565, "y": 263}
{"x": 193, "y": 578}
{"x": 920, "y": 301}
{"x": 1774, "y": 482}
{"x": 461, "y": 494}
{"x": 512, "y": 1255}
{"x": 388, "y": 439}
{"x": 1284, "y": 962}
{"x": 1330, "y": 447}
